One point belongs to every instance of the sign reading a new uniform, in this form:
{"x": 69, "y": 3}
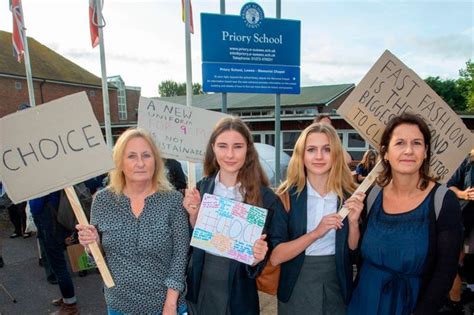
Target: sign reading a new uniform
{"x": 250, "y": 53}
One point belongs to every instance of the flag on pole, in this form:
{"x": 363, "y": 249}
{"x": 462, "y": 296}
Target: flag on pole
{"x": 94, "y": 22}
{"x": 183, "y": 15}
{"x": 18, "y": 34}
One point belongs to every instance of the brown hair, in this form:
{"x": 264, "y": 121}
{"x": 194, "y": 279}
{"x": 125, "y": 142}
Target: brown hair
{"x": 405, "y": 119}
{"x": 251, "y": 175}
{"x": 339, "y": 179}
{"x": 117, "y": 178}
{"x": 318, "y": 118}
{"x": 366, "y": 160}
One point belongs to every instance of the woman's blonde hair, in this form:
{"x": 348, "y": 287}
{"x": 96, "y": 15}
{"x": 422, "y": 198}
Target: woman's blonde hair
{"x": 339, "y": 179}
{"x": 117, "y": 178}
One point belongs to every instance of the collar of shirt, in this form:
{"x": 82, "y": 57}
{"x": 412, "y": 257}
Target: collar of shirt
{"x": 227, "y": 192}
{"x": 313, "y": 193}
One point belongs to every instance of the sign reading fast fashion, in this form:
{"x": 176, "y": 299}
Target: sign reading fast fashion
{"x": 50, "y": 147}
{"x": 249, "y": 53}
{"x": 389, "y": 89}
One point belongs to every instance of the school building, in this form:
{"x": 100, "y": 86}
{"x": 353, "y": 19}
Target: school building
{"x": 54, "y": 76}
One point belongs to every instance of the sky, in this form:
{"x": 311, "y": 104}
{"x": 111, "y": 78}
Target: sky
{"x": 340, "y": 39}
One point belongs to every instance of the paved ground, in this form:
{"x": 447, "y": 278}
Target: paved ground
{"x": 25, "y": 281}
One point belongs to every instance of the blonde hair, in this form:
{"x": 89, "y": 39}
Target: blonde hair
{"x": 117, "y": 177}
{"x": 339, "y": 179}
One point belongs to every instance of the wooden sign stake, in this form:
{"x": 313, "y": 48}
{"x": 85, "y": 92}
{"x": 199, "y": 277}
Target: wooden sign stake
{"x": 94, "y": 247}
{"x": 364, "y": 186}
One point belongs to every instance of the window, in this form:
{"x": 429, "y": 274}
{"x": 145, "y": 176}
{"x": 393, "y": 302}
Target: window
{"x": 121, "y": 96}
{"x": 289, "y": 140}
{"x": 270, "y": 139}
{"x": 356, "y": 141}
{"x": 92, "y": 93}
{"x": 257, "y": 138}
{"x": 18, "y": 85}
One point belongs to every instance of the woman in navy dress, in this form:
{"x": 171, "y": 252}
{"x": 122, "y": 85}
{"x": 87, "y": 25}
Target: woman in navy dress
{"x": 409, "y": 253}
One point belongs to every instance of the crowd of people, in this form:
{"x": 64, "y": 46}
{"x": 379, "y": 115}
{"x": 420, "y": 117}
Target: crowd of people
{"x": 397, "y": 251}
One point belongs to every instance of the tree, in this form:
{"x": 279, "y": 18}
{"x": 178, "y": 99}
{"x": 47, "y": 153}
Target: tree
{"x": 450, "y": 91}
{"x": 172, "y": 88}
{"x": 168, "y": 88}
{"x": 466, "y": 84}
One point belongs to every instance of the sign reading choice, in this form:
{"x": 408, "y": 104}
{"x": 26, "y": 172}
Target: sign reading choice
{"x": 250, "y": 53}
{"x": 389, "y": 89}
{"x": 181, "y": 132}
{"x": 228, "y": 228}
{"x": 50, "y": 147}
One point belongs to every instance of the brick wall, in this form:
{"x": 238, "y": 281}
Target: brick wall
{"x": 11, "y": 97}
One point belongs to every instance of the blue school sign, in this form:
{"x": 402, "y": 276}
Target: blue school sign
{"x": 248, "y": 53}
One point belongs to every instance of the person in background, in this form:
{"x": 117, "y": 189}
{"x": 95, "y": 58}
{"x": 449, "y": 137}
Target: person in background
{"x": 2, "y": 263}
{"x": 142, "y": 227}
{"x": 326, "y": 119}
{"x": 219, "y": 285}
{"x": 175, "y": 174}
{"x": 52, "y": 235}
{"x": 16, "y": 213}
{"x": 310, "y": 241}
{"x": 462, "y": 184}
{"x": 408, "y": 251}
{"x": 366, "y": 165}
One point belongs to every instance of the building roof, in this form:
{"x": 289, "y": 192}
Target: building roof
{"x": 45, "y": 63}
{"x": 321, "y": 95}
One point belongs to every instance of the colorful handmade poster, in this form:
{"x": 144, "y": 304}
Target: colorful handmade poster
{"x": 228, "y": 228}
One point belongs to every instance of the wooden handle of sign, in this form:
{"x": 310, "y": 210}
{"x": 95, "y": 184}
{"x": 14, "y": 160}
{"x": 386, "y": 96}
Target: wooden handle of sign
{"x": 364, "y": 186}
{"x": 94, "y": 247}
{"x": 191, "y": 175}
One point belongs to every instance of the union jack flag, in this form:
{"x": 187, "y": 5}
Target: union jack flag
{"x": 18, "y": 34}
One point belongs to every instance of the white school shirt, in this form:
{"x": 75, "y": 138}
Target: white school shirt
{"x": 227, "y": 192}
{"x": 317, "y": 208}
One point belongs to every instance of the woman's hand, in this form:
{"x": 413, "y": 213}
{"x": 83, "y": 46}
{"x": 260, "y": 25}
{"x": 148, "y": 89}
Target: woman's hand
{"x": 467, "y": 194}
{"x": 355, "y": 204}
{"x": 328, "y": 222}
{"x": 87, "y": 234}
{"x": 260, "y": 249}
{"x": 169, "y": 309}
{"x": 191, "y": 202}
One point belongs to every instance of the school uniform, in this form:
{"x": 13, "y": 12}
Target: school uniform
{"x": 319, "y": 279}
{"x": 218, "y": 285}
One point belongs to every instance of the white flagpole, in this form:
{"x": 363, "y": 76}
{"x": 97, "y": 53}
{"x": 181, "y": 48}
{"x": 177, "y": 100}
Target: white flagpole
{"x": 29, "y": 76}
{"x": 105, "y": 88}
{"x": 189, "y": 82}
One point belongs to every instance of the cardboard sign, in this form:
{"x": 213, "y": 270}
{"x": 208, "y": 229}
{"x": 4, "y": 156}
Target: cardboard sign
{"x": 228, "y": 228}
{"x": 181, "y": 132}
{"x": 389, "y": 89}
{"x": 50, "y": 147}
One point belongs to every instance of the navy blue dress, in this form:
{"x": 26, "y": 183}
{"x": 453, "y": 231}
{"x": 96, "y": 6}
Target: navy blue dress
{"x": 394, "y": 249}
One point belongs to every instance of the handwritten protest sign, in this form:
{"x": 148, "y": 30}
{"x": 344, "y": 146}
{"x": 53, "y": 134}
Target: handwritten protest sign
{"x": 389, "y": 89}
{"x": 181, "y": 132}
{"x": 50, "y": 147}
{"x": 228, "y": 228}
